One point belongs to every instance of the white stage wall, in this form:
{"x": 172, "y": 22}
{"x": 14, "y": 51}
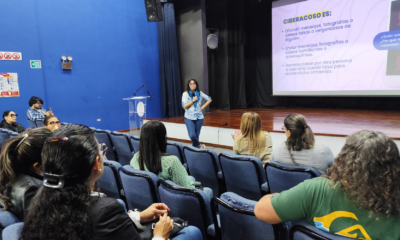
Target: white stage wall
{"x": 210, "y": 135}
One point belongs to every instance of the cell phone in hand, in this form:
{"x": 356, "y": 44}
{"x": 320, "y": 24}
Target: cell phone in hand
{"x": 49, "y": 109}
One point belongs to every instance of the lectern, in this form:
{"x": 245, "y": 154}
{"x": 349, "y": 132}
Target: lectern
{"x": 137, "y": 113}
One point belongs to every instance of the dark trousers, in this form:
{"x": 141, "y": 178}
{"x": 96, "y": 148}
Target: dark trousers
{"x": 194, "y": 127}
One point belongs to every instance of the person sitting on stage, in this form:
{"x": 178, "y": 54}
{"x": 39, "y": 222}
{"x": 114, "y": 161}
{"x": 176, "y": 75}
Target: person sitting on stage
{"x": 52, "y": 123}
{"x": 191, "y": 102}
{"x": 10, "y": 122}
{"x": 68, "y": 206}
{"x": 36, "y": 112}
{"x": 251, "y": 140}
{"x": 359, "y": 198}
{"x": 152, "y": 156}
{"x": 300, "y": 147}
{"x": 21, "y": 169}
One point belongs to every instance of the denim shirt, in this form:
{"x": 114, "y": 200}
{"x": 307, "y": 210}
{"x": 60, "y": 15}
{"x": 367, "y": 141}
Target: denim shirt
{"x": 191, "y": 112}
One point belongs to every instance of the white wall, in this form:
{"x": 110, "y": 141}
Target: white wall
{"x": 210, "y": 135}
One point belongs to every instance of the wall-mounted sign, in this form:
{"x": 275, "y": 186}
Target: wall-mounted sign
{"x": 12, "y": 56}
{"x": 9, "y": 85}
{"x": 36, "y": 64}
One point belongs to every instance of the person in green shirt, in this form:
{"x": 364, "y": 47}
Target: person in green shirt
{"x": 359, "y": 197}
{"x": 152, "y": 156}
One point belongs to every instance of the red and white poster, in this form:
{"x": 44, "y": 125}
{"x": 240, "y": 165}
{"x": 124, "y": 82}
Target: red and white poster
{"x": 9, "y": 85}
{"x": 11, "y": 56}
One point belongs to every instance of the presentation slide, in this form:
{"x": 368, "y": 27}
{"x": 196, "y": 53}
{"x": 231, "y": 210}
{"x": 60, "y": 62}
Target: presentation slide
{"x": 336, "y": 48}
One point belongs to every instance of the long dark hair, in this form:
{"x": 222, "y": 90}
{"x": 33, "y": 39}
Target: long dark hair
{"x": 4, "y": 115}
{"x": 188, "y": 87}
{"x": 153, "y": 145}
{"x": 301, "y": 135}
{"x": 18, "y": 155}
{"x": 63, "y": 213}
{"x": 368, "y": 169}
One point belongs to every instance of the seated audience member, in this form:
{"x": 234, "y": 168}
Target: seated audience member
{"x": 68, "y": 206}
{"x": 300, "y": 147}
{"x": 21, "y": 169}
{"x": 152, "y": 156}
{"x": 359, "y": 198}
{"x": 10, "y": 122}
{"x": 251, "y": 140}
{"x": 52, "y": 123}
{"x": 36, "y": 112}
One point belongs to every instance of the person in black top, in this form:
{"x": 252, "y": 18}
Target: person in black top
{"x": 10, "y": 122}
{"x": 20, "y": 175}
{"x": 68, "y": 205}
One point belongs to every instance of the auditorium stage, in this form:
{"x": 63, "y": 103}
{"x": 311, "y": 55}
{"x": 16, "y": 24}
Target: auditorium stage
{"x": 330, "y": 126}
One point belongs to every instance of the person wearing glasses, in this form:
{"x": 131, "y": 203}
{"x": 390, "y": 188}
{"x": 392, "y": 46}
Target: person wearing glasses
{"x": 36, "y": 112}
{"x": 70, "y": 206}
{"x": 21, "y": 170}
{"x": 10, "y": 122}
{"x": 191, "y": 102}
{"x": 52, "y": 123}
{"x": 300, "y": 148}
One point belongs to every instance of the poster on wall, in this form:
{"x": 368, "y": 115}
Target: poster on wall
{"x": 12, "y": 56}
{"x": 9, "y": 85}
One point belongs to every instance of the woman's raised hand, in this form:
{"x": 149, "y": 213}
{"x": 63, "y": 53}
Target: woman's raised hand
{"x": 195, "y": 99}
{"x": 237, "y": 134}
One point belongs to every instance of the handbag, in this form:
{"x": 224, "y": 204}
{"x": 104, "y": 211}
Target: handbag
{"x": 147, "y": 232}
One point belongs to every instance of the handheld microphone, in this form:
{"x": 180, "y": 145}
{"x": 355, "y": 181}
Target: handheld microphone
{"x": 143, "y": 86}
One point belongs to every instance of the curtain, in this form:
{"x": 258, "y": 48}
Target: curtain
{"x": 240, "y": 71}
{"x": 170, "y": 85}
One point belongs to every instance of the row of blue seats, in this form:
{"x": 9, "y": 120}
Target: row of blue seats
{"x": 235, "y": 217}
{"x": 206, "y": 166}
{"x": 220, "y": 173}
{"x": 122, "y": 146}
{"x": 35, "y": 124}
{"x": 143, "y": 188}
{"x": 234, "y": 213}
{"x": 6, "y": 134}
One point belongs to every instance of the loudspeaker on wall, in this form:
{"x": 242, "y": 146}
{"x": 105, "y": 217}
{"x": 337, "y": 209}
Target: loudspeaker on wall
{"x": 153, "y": 10}
{"x": 212, "y": 38}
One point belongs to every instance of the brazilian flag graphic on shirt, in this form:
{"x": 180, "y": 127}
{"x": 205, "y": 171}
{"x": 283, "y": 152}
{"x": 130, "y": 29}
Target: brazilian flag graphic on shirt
{"x": 355, "y": 231}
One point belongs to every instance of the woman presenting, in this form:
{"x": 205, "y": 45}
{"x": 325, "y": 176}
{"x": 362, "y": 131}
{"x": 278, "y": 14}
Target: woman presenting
{"x": 191, "y": 102}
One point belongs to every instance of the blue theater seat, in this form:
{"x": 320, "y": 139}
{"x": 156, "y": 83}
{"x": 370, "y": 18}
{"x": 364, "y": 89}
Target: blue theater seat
{"x": 140, "y": 187}
{"x": 244, "y": 175}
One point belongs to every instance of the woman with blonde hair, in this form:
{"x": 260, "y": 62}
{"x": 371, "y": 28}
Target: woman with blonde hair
{"x": 251, "y": 140}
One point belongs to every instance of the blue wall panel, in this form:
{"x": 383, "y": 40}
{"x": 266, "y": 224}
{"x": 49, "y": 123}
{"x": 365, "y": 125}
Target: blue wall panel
{"x": 18, "y": 33}
{"x": 114, "y": 50}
